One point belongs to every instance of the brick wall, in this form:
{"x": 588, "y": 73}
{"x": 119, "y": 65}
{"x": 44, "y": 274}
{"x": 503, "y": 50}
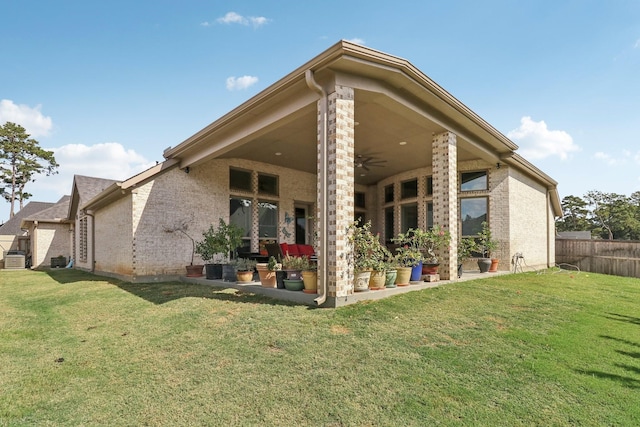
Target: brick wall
{"x": 113, "y": 251}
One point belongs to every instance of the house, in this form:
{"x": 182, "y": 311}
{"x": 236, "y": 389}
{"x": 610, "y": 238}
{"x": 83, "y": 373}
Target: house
{"x": 353, "y": 133}
{"x": 12, "y": 236}
{"x": 50, "y": 234}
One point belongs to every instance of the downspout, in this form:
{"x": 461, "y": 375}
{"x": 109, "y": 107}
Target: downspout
{"x": 549, "y": 218}
{"x": 34, "y": 244}
{"x": 324, "y": 192}
{"x": 93, "y": 240}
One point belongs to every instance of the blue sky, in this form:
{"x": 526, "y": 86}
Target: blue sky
{"x": 109, "y": 85}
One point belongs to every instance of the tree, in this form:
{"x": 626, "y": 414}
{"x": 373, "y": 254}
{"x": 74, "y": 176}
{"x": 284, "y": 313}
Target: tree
{"x": 21, "y": 159}
{"x": 613, "y": 214}
{"x": 575, "y": 215}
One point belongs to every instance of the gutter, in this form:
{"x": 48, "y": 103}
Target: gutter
{"x": 324, "y": 192}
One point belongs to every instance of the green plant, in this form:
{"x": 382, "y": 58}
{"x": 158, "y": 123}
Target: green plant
{"x": 219, "y": 242}
{"x": 466, "y": 247}
{"x": 273, "y": 264}
{"x": 290, "y": 262}
{"x": 486, "y": 243}
{"x": 366, "y": 252}
{"x": 244, "y": 264}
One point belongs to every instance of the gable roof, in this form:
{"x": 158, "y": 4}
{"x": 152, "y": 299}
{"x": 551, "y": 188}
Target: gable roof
{"x": 13, "y": 226}
{"x": 84, "y": 189}
{"x": 394, "y": 102}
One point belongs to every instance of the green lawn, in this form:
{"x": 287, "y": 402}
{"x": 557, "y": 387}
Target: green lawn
{"x": 526, "y": 349}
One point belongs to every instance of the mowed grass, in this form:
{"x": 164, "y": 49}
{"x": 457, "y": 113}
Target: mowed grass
{"x": 526, "y": 349}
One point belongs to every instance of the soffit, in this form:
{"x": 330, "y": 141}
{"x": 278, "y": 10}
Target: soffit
{"x": 394, "y": 102}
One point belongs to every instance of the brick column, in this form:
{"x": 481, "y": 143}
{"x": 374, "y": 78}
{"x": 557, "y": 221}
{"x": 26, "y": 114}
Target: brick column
{"x": 445, "y": 199}
{"x": 340, "y": 209}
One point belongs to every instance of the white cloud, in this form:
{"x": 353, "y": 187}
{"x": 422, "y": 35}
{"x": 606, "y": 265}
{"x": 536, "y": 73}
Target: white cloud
{"x": 536, "y": 141}
{"x": 239, "y": 83}
{"x": 606, "y": 158}
{"x": 108, "y": 160}
{"x": 234, "y": 18}
{"x": 31, "y": 119}
{"x": 356, "y": 41}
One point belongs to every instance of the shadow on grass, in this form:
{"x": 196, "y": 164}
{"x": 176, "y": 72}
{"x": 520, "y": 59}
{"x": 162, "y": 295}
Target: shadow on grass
{"x": 624, "y": 381}
{"x": 624, "y": 318}
{"x": 163, "y": 292}
{"x": 620, "y": 340}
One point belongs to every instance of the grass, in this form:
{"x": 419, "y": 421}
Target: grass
{"x": 526, "y": 349}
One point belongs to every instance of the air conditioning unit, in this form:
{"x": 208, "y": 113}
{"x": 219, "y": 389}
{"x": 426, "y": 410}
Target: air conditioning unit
{"x": 13, "y": 262}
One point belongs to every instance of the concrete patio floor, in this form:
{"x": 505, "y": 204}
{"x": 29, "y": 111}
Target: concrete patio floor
{"x": 300, "y": 297}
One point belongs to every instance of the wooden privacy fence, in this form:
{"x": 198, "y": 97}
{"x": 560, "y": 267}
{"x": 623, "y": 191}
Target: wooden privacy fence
{"x": 615, "y": 257}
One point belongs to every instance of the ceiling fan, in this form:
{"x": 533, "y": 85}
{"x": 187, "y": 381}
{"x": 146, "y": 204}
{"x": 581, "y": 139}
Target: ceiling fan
{"x": 365, "y": 162}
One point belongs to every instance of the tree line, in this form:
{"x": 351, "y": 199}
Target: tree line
{"x": 606, "y": 215}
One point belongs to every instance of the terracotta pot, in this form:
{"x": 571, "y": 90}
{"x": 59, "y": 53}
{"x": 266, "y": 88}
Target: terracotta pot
{"x": 194, "y": 270}
{"x": 310, "y": 279}
{"x": 267, "y": 277}
{"x": 377, "y": 279}
{"x": 494, "y": 265}
{"x": 403, "y": 276}
{"x": 430, "y": 268}
{"x": 361, "y": 281}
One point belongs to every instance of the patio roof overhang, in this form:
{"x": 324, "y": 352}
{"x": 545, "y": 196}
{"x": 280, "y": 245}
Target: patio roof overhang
{"x": 394, "y": 102}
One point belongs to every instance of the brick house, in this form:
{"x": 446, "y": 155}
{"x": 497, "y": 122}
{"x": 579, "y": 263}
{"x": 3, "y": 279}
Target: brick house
{"x": 352, "y": 133}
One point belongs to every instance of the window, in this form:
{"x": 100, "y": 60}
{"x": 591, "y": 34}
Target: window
{"x": 429, "y": 215}
{"x": 473, "y": 181}
{"x": 82, "y": 249}
{"x": 267, "y": 184}
{"x": 359, "y": 200}
{"x": 388, "y": 193}
{"x": 409, "y": 216}
{"x": 240, "y": 215}
{"x": 429, "y": 186}
{"x": 268, "y": 220}
{"x": 388, "y": 224}
{"x": 473, "y": 212}
{"x": 240, "y": 180}
{"x": 409, "y": 189}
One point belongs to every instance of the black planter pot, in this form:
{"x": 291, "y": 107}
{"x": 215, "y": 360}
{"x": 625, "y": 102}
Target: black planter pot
{"x": 228, "y": 273}
{"x": 280, "y": 276}
{"x": 213, "y": 271}
{"x": 484, "y": 264}
{"x": 459, "y": 271}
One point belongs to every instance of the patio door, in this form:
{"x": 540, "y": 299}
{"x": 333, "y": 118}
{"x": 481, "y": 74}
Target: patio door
{"x": 303, "y": 225}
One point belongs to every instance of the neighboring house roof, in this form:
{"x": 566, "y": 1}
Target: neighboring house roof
{"x": 13, "y": 226}
{"x": 85, "y": 188}
{"x": 56, "y": 213}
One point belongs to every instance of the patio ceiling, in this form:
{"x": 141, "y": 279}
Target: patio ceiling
{"x": 380, "y": 128}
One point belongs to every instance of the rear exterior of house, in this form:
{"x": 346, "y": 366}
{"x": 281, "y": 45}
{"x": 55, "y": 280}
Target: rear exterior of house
{"x": 354, "y": 133}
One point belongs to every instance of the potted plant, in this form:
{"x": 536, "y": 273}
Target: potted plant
{"x": 486, "y": 246}
{"x": 310, "y": 276}
{"x": 268, "y": 272}
{"x": 182, "y": 227}
{"x": 466, "y": 247}
{"x": 213, "y": 247}
{"x": 245, "y": 268}
{"x": 431, "y": 241}
{"x": 220, "y": 244}
{"x": 408, "y": 257}
{"x": 365, "y": 253}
